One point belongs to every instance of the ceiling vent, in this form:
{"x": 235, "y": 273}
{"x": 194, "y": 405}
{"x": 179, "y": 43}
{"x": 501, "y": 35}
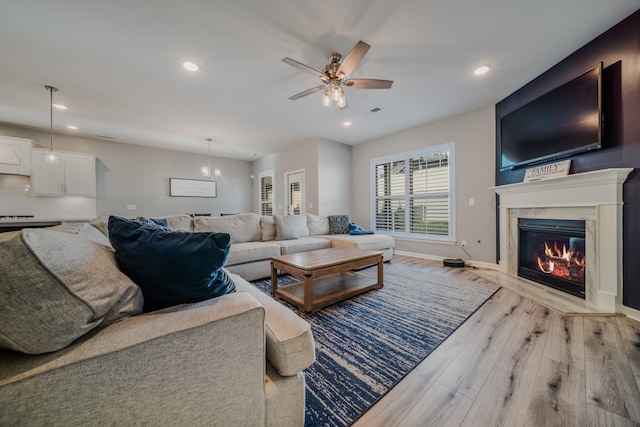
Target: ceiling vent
{"x": 373, "y": 110}
{"x": 104, "y": 137}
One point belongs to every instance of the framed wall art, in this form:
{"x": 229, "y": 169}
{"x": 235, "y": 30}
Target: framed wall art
{"x": 179, "y": 187}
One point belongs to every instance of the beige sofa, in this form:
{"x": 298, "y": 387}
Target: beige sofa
{"x": 233, "y": 360}
{"x": 256, "y": 239}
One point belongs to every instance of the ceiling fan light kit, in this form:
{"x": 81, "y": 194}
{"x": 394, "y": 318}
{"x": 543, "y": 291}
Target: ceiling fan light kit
{"x": 336, "y": 74}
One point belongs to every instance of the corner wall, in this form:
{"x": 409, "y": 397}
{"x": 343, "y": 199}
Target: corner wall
{"x": 474, "y": 136}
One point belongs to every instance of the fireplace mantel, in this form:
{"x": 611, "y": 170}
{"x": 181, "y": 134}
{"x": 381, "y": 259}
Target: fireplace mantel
{"x": 596, "y": 198}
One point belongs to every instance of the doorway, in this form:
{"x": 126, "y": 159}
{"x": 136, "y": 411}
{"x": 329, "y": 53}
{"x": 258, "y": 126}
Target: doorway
{"x": 294, "y": 182}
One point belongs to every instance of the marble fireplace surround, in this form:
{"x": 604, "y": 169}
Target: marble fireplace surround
{"x": 594, "y": 197}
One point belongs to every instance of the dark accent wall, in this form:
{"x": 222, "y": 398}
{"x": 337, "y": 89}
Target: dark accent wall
{"x": 619, "y": 51}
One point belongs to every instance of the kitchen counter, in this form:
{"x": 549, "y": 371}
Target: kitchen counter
{"x": 13, "y": 223}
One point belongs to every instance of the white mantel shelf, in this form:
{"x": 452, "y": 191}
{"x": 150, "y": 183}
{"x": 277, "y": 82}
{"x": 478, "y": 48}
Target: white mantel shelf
{"x": 594, "y": 197}
{"x": 577, "y": 188}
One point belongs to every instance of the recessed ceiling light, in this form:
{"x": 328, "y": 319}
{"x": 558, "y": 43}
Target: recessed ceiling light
{"x": 60, "y": 106}
{"x": 191, "y": 66}
{"x": 346, "y": 124}
{"x": 72, "y": 127}
{"x": 481, "y": 70}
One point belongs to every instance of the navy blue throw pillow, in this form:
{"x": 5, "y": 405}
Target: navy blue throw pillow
{"x": 171, "y": 267}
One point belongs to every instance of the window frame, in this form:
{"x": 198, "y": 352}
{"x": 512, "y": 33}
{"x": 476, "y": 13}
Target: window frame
{"x": 407, "y": 196}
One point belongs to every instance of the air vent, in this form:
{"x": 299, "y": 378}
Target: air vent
{"x": 104, "y": 137}
{"x": 371, "y": 111}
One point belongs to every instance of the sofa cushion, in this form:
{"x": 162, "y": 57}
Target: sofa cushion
{"x": 242, "y": 227}
{"x": 371, "y": 242}
{"x": 180, "y": 222}
{"x": 304, "y": 244}
{"x": 317, "y": 225}
{"x": 242, "y": 253}
{"x": 55, "y": 287}
{"x": 171, "y": 267}
{"x": 268, "y": 228}
{"x": 290, "y": 226}
{"x": 338, "y": 224}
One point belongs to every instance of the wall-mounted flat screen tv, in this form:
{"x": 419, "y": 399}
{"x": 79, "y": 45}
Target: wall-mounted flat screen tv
{"x": 564, "y": 121}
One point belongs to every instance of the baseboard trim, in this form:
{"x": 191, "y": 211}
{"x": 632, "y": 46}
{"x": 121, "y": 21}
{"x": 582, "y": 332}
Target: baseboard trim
{"x": 478, "y": 264}
{"x": 631, "y": 313}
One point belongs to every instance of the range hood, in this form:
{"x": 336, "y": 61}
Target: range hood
{"x": 15, "y": 155}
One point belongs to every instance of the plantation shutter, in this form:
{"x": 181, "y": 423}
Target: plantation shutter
{"x": 412, "y": 194}
{"x": 429, "y": 198}
{"x": 266, "y": 195}
{"x": 390, "y": 200}
{"x": 295, "y": 198}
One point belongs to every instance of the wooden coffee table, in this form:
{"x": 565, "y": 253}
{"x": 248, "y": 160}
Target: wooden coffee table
{"x": 328, "y": 276}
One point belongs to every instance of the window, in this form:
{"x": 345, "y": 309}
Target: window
{"x": 413, "y": 194}
{"x": 266, "y": 193}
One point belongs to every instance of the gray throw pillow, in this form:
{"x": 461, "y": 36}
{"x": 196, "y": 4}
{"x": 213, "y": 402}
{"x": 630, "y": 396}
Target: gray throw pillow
{"x": 318, "y": 225}
{"x": 55, "y": 287}
{"x": 290, "y": 227}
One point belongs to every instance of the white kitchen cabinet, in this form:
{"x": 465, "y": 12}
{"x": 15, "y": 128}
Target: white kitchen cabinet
{"x": 15, "y": 155}
{"x": 58, "y": 173}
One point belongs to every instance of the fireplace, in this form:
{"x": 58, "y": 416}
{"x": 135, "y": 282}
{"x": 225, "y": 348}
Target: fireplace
{"x": 593, "y": 199}
{"x": 552, "y": 252}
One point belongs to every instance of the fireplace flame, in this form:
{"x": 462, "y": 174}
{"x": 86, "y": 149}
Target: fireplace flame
{"x": 562, "y": 262}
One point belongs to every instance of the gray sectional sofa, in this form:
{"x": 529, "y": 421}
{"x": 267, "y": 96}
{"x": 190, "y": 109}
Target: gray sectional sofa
{"x": 76, "y": 349}
{"x": 256, "y": 239}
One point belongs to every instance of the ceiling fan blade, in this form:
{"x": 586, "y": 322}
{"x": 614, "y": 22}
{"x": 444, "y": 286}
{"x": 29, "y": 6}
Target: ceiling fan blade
{"x": 353, "y": 58}
{"x": 307, "y": 92}
{"x": 300, "y": 66}
{"x": 368, "y": 83}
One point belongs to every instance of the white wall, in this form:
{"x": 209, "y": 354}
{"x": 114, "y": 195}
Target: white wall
{"x": 474, "y": 136}
{"x": 134, "y": 175}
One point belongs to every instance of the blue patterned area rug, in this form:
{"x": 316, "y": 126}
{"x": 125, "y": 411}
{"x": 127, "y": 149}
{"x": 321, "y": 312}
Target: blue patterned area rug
{"x": 366, "y": 345}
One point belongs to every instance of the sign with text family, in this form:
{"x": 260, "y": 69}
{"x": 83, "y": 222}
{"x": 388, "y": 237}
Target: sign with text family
{"x": 548, "y": 171}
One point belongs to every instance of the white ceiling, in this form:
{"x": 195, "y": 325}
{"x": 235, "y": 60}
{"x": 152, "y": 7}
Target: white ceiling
{"x": 117, "y": 64}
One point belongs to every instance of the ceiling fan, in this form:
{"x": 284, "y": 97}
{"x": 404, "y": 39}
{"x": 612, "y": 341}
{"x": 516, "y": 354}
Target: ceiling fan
{"x": 336, "y": 74}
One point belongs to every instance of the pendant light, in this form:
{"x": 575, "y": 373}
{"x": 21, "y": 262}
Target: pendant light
{"x": 51, "y": 156}
{"x": 206, "y": 170}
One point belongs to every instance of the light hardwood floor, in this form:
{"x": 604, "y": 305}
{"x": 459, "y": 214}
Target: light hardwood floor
{"x": 518, "y": 363}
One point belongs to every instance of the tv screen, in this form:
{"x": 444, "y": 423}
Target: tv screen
{"x": 562, "y": 122}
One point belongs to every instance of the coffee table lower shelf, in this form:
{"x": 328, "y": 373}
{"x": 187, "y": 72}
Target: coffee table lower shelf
{"x": 327, "y": 290}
